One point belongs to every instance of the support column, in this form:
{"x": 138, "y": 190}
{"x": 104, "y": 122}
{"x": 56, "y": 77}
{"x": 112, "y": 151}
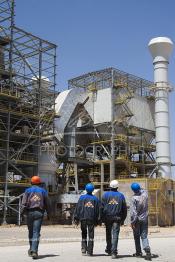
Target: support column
{"x": 4, "y": 222}
{"x": 67, "y": 179}
{"x": 102, "y": 178}
{"x": 112, "y": 162}
{"x": 94, "y": 152}
{"x": 76, "y": 177}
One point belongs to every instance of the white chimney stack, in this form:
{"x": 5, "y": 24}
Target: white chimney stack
{"x": 161, "y": 48}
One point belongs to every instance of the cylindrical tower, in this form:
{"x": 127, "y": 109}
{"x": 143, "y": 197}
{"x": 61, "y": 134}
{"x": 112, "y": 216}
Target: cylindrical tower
{"x": 161, "y": 48}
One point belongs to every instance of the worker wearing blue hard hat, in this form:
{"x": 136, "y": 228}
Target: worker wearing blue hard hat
{"x": 139, "y": 220}
{"x": 135, "y": 187}
{"x": 89, "y": 188}
{"x": 87, "y": 213}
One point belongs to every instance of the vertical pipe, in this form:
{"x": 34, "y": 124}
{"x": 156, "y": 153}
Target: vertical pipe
{"x": 157, "y": 213}
{"x": 102, "y": 178}
{"x": 6, "y": 172}
{"x": 76, "y": 177}
{"x": 112, "y": 162}
{"x": 8, "y": 117}
{"x": 39, "y": 97}
{"x": 94, "y": 151}
{"x": 72, "y": 142}
{"x": 67, "y": 178}
{"x": 19, "y": 211}
{"x": 162, "y": 131}
{"x": 161, "y": 48}
{"x": 54, "y": 87}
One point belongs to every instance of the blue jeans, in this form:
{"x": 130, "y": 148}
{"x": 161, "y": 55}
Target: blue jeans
{"x": 112, "y": 235}
{"x": 34, "y": 222}
{"x": 141, "y": 231}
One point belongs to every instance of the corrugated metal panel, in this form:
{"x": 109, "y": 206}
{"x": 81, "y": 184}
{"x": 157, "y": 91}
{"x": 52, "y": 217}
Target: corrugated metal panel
{"x": 99, "y": 106}
{"x": 60, "y": 100}
{"x": 102, "y": 106}
{"x": 143, "y": 113}
{"x": 65, "y": 105}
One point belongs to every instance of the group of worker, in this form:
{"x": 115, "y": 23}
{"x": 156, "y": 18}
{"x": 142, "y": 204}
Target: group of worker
{"x": 112, "y": 211}
{"x": 90, "y": 212}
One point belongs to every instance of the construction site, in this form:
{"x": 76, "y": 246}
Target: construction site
{"x": 107, "y": 125}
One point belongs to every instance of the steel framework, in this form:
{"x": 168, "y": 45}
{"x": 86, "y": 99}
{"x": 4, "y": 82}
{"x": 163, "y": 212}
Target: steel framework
{"x": 136, "y": 158}
{"x": 112, "y": 77}
{"x": 27, "y": 95}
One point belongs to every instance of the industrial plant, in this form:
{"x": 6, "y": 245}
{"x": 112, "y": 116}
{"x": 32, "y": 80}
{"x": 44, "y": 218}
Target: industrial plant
{"x": 107, "y": 125}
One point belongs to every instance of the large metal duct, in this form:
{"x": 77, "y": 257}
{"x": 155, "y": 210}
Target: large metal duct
{"x": 161, "y": 48}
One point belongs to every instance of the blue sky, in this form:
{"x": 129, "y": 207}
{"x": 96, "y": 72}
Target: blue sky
{"x": 95, "y": 34}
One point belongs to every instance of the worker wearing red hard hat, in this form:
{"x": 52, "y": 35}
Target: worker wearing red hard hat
{"x": 34, "y": 204}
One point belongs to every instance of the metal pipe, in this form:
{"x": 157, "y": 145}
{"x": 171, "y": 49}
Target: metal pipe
{"x": 161, "y": 48}
{"x": 102, "y": 178}
{"x": 39, "y": 98}
{"x": 112, "y": 162}
{"x": 76, "y": 177}
{"x": 4, "y": 222}
{"x": 19, "y": 211}
{"x": 8, "y": 118}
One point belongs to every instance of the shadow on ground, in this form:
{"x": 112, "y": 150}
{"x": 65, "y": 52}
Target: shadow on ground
{"x": 46, "y": 256}
{"x": 105, "y": 255}
{"x": 153, "y": 256}
{"x": 124, "y": 256}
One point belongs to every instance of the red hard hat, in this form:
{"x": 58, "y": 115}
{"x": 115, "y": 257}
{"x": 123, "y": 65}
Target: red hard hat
{"x": 36, "y": 180}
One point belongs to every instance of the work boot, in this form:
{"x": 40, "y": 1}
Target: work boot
{"x": 114, "y": 256}
{"x": 137, "y": 254}
{"x": 29, "y": 253}
{"x": 89, "y": 254}
{"x": 148, "y": 254}
{"x": 83, "y": 251}
{"x": 34, "y": 255}
{"x": 108, "y": 252}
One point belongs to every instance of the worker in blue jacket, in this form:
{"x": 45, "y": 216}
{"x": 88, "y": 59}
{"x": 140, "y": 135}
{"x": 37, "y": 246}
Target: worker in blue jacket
{"x": 114, "y": 212}
{"x": 34, "y": 204}
{"x": 87, "y": 213}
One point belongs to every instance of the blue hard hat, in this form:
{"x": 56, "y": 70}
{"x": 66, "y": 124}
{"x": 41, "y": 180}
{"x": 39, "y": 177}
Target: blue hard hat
{"x": 89, "y": 188}
{"x": 135, "y": 187}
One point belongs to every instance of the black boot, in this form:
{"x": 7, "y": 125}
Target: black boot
{"x": 29, "y": 253}
{"x": 34, "y": 255}
{"x": 108, "y": 252}
{"x": 83, "y": 251}
{"x": 114, "y": 256}
{"x": 89, "y": 254}
{"x": 148, "y": 255}
{"x": 137, "y": 254}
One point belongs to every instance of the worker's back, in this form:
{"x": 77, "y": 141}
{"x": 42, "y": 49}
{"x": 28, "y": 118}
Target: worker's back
{"x": 87, "y": 208}
{"x": 35, "y": 197}
{"x": 113, "y": 206}
{"x": 139, "y": 205}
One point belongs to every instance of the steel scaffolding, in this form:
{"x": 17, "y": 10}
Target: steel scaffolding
{"x": 27, "y": 95}
{"x": 133, "y": 156}
{"x": 115, "y": 78}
